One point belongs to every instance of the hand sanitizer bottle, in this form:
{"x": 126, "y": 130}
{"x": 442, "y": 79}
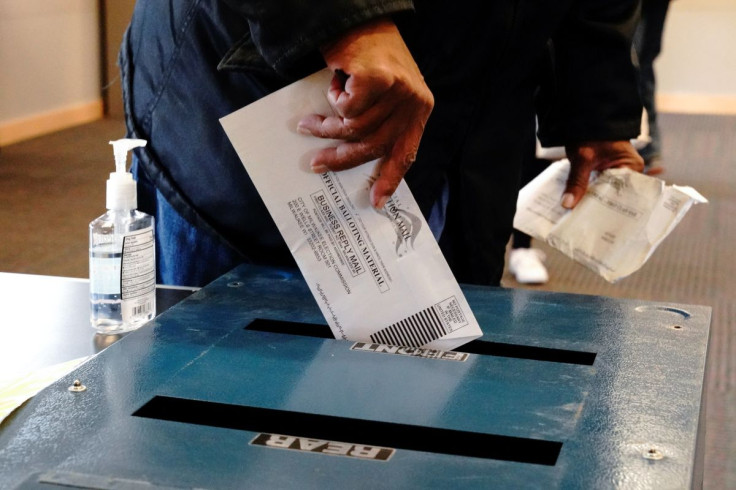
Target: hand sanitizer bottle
{"x": 122, "y": 260}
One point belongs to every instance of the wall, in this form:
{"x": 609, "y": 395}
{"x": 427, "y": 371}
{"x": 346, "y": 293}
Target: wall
{"x": 696, "y": 71}
{"x": 117, "y": 16}
{"x": 50, "y": 59}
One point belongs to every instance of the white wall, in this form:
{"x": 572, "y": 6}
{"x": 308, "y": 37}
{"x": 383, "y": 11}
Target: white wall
{"x": 50, "y": 59}
{"x": 696, "y": 71}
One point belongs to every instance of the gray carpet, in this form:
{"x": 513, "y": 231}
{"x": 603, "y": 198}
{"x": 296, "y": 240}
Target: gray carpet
{"x": 51, "y": 188}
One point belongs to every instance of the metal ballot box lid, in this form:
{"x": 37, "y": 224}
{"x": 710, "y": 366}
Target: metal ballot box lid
{"x": 242, "y": 386}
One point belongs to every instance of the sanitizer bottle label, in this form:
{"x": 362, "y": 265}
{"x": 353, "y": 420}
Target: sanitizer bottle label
{"x": 138, "y": 274}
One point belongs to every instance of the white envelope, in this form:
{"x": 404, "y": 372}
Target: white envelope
{"x": 378, "y": 277}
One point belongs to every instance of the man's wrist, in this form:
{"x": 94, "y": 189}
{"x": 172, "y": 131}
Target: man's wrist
{"x": 379, "y": 25}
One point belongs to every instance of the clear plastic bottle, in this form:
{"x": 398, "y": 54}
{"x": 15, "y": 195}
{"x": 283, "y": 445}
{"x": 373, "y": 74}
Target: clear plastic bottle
{"x": 122, "y": 260}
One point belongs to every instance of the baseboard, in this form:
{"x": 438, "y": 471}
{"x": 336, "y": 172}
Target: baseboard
{"x": 697, "y": 104}
{"x": 16, "y": 130}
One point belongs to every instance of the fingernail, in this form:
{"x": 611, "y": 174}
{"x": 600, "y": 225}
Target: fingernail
{"x": 302, "y": 129}
{"x": 381, "y": 202}
{"x": 319, "y": 168}
{"x": 567, "y": 200}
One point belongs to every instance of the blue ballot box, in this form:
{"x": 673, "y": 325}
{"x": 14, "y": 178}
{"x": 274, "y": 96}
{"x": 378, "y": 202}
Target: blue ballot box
{"x": 241, "y": 385}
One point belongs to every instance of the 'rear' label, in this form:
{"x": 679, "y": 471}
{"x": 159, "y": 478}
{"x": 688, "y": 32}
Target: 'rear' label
{"x": 333, "y": 448}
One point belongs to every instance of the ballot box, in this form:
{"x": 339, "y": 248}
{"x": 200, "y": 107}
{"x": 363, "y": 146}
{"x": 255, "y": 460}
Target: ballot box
{"x": 241, "y": 385}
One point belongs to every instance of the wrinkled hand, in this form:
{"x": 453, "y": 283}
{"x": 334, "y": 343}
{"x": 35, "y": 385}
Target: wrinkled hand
{"x": 381, "y": 104}
{"x": 596, "y": 155}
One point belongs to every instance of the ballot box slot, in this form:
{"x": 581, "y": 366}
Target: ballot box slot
{"x": 351, "y": 430}
{"x": 317, "y": 330}
{"x": 479, "y": 347}
{"x": 549, "y": 354}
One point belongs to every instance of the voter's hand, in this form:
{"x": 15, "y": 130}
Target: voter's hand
{"x": 596, "y": 155}
{"x": 381, "y": 104}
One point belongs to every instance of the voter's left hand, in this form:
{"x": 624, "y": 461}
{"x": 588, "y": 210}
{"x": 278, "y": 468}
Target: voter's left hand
{"x": 588, "y": 156}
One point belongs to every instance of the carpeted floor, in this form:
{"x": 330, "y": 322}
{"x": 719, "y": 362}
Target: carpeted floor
{"x": 51, "y": 188}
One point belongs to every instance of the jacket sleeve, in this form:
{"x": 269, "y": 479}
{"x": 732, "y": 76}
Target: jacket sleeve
{"x": 288, "y": 33}
{"x": 596, "y": 97}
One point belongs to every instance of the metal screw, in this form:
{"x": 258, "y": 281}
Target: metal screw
{"x": 77, "y": 386}
{"x": 235, "y": 284}
{"x": 653, "y": 454}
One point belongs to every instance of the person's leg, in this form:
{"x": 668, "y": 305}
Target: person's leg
{"x": 531, "y": 168}
{"x": 519, "y": 239}
{"x": 526, "y": 263}
{"x": 187, "y": 256}
{"x": 648, "y": 44}
{"x": 483, "y": 186}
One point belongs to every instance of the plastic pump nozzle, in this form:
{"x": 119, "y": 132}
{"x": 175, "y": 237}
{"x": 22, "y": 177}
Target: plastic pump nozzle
{"x": 121, "y": 188}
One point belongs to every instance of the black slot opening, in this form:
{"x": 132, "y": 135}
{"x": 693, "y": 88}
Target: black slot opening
{"x": 320, "y": 331}
{"x": 480, "y": 347}
{"x": 486, "y": 348}
{"x": 351, "y": 430}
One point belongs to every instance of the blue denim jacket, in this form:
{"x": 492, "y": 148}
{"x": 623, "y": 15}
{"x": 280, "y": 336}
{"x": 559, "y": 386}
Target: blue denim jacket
{"x": 285, "y": 35}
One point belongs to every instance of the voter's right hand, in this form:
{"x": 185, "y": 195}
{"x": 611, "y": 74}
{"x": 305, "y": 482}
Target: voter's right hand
{"x": 381, "y": 106}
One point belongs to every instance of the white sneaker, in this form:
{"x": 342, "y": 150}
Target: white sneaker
{"x": 527, "y": 267}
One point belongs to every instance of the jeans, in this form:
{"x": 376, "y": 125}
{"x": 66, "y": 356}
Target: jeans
{"x": 186, "y": 255}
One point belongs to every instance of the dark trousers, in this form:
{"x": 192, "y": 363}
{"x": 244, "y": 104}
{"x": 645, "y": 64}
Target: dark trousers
{"x": 648, "y": 44}
{"x": 530, "y": 169}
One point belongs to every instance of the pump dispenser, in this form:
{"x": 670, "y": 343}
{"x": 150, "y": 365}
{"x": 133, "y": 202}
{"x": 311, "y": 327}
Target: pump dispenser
{"x": 122, "y": 260}
{"x": 121, "y": 188}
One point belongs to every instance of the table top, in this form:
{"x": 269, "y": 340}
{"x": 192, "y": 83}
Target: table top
{"x": 44, "y": 320}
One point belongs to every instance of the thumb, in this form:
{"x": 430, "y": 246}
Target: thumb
{"x": 577, "y": 184}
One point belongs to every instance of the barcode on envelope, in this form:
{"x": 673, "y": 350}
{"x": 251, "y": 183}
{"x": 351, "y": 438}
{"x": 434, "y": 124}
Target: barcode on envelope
{"x": 413, "y": 331}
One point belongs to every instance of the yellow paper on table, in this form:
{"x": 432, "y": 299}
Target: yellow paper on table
{"x": 15, "y": 391}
